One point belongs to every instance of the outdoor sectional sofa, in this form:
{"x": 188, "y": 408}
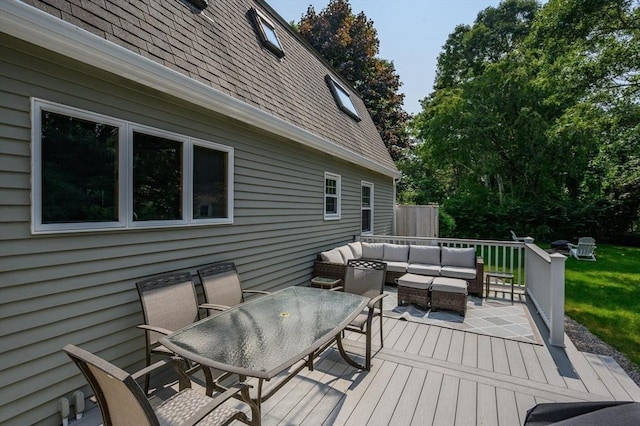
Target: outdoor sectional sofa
{"x": 434, "y": 261}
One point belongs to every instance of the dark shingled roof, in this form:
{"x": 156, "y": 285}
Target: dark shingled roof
{"x": 220, "y": 47}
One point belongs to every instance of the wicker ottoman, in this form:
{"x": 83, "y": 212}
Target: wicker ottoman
{"x": 449, "y": 293}
{"x": 414, "y": 289}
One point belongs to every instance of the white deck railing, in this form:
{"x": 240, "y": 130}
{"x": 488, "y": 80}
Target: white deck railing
{"x": 545, "y": 288}
{"x": 539, "y": 273}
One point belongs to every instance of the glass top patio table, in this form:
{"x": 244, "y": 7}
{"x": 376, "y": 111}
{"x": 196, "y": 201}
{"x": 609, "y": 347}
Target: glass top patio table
{"x": 265, "y": 336}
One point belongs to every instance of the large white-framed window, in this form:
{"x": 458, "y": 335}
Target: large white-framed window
{"x": 94, "y": 172}
{"x": 366, "y": 207}
{"x": 332, "y": 196}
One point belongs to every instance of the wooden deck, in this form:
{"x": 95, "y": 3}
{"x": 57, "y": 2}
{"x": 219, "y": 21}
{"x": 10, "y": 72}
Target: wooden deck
{"x": 429, "y": 375}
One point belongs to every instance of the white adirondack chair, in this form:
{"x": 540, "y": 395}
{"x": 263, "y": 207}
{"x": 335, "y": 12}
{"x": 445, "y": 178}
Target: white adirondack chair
{"x": 515, "y": 237}
{"x": 584, "y": 249}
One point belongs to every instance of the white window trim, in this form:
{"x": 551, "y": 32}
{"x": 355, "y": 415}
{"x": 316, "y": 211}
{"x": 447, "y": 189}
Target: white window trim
{"x": 371, "y": 209}
{"x": 338, "y": 179}
{"x": 125, "y": 175}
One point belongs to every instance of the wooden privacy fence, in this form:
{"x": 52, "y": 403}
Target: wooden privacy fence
{"x": 417, "y": 221}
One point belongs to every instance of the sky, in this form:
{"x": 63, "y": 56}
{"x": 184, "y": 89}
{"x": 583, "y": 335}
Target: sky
{"x": 411, "y": 34}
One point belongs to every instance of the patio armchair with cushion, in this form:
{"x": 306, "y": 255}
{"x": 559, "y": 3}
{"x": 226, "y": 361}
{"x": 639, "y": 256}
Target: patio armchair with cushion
{"x": 366, "y": 278}
{"x": 222, "y": 287}
{"x": 169, "y": 302}
{"x": 123, "y": 402}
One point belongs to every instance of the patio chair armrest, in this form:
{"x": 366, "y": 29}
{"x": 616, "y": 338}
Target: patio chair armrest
{"x": 160, "y": 330}
{"x": 214, "y": 306}
{"x": 336, "y": 288}
{"x": 150, "y": 368}
{"x": 216, "y": 402}
{"x": 573, "y": 246}
{"x": 375, "y": 300}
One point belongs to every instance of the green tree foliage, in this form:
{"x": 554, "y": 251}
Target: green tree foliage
{"x": 533, "y": 122}
{"x": 350, "y": 44}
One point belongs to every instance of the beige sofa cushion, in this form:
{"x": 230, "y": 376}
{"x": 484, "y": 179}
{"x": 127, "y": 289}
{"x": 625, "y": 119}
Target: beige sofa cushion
{"x": 415, "y": 281}
{"x": 449, "y": 285}
{"x": 332, "y": 256}
{"x": 372, "y": 251}
{"x": 429, "y": 255}
{"x": 395, "y": 252}
{"x": 464, "y": 257}
{"x": 458, "y": 272}
{"x": 356, "y": 248}
{"x": 396, "y": 266}
{"x": 422, "y": 269}
{"x": 346, "y": 253}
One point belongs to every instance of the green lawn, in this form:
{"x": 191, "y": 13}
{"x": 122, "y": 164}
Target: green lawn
{"x": 604, "y": 296}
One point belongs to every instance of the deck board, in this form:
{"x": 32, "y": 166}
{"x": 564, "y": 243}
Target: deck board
{"x": 531, "y": 363}
{"x": 447, "y": 401}
{"x": 428, "y": 401}
{"x": 470, "y": 350}
{"x": 466, "y": 407}
{"x": 485, "y": 356}
{"x": 585, "y": 371}
{"x": 442, "y": 345}
{"x": 613, "y": 386}
{"x": 499, "y": 353}
{"x": 487, "y": 406}
{"x": 409, "y": 396}
{"x": 430, "y": 341}
{"x": 524, "y": 403}
{"x": 516, "y": 363}
{"x": 508, "y": 409}
{"x": 366, "y": 406}
{"x": 406, "y": 337}
{"x": 418, "y": 339}
{"x": 391, "y": 396}
{"x": 625, "y": 381}
{"x": 456, "y": 347}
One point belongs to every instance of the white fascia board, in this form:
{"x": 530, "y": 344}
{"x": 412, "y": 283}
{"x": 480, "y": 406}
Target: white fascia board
{"x": 30, "y": 24}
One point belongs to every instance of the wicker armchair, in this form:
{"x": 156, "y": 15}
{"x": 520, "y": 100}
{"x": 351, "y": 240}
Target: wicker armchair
{"x": 123, "y": 402}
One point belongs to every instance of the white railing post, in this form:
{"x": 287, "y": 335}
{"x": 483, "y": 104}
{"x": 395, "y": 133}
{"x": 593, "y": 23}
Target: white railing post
{"x": 556, "y": 314}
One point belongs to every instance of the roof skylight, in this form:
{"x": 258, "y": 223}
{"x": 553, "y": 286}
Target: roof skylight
{"x": 267, "y": 33}
{"x": 342, "y": 98}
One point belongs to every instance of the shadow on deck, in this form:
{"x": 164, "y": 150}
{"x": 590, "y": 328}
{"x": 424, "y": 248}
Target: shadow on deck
{"x": 429, "y": 374}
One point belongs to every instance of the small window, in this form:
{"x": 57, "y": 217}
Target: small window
{"x": 267, "y": 33}
{"x": 331, "y": 196}
{"x": 367, "y": 208}
{"x": 342, "y": 98}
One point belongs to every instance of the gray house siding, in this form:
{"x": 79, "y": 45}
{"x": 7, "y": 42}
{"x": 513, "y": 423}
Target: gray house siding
{"x": 79, "y": 287}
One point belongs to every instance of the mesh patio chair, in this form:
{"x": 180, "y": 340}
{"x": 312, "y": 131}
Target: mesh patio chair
{"x": 169, "y": 302}
{"x": 366, "y": 278}
{"x": 221, "y": 285}
{"x": 123, "y": 402}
